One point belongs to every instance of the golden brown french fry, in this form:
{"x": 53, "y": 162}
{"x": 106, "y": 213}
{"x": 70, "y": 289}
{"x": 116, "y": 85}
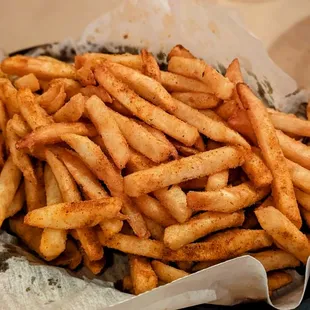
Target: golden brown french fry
{"x": 217, "y": 181}
{"x": 19, "y": 126}
{"x": 174, "y": 172}
{"x": 196, "y": 184}
{"x": 143, "y": 276}
{"x": 42, "y": 68}
{"x": 138, "y": 162}
{"x": 28, "y": 81}
{"x": 180, "y": 50}
{"x": 305, "y": 215}
{"x": 51, "y": 134}
{"x": 282, "y": 186}
{"x": 186, "y": 266}
{"x": 198, "y": 69}
{"x": 174, "y": 200}
{"x": 227, "y": 109}
{"x": 109, "y": 131}
{"x": 278, "y": 279}
{"x": 203, "y": 265}
{"x": 8, "y": 96}
{"x": 156, "y": 230}
{"x": 201, "y": 225}
{"x": 95, "y": 159}
{"x": 197, "y": 100}
{"x": 17, "y": 202}
{"x": 118, "y": 107}
{"x": 283, "y": 231}
{"x": 220, "y": 246}
{"x": 3, "y": 118}
{"x": 149, "y": 65}
{"x": 9, "y": 181}
{"x": 99, "y": 91}
{"x": 94, "y": 266}
{"x": 127, "y": 284}
{"x": 302, "y": 198}
{"x": 229, "y": 199}
{"x": 178, "y": 83}
{"x": 300, "y": 176}
{"x": 133, "y": 245}
{"x": 111, "y": 227}
{"x": 276, "y": 259}
{"x": 2, "y": 150}
{"x": 72, "y": 87}
{"x": 184, "y": 150}
{"x": 85, "y": 75}
{"x": 167, "y": 273}
{"x": 72, "y": 111}
{"x": 143, "y": 109}
{"x": 200, "y": 145}
{"x": 152, "y": 208}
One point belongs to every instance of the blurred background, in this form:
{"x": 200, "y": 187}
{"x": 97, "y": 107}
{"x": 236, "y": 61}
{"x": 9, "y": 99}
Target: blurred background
{"x": 282, "y": 25}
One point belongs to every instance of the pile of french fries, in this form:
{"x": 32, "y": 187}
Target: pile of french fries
{"x": 180, "y": 169}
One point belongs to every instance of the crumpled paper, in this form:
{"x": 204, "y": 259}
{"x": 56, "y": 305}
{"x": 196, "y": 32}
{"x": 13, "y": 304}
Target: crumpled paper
{"x": 216, "y": 35}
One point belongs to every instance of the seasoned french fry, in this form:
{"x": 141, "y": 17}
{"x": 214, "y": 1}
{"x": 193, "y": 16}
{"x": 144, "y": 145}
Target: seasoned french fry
{"x": 138, "y": 162}
{"x": 152, "y": 208}
{"x": 203, "y": 265}
{"x": 118, "y": 107}
{"x": 174, "y": 172}
{"x": 174, "y": 200}
{"x": 229, "y": 199}
{"x": 156, "y": 230}
{"x": 179, "y": 235}
{"x": 17, "y": 202}
{"x": 300, "y": 176}
{"x": 282, "y": 186}
{"x": 109, "y": 131}
{"x": 217, "y": 181}
{"x": 28, "y": 81}
{"x": 8, "y": 96}
{"x": 51, "y": 134}
{"x": 72, "y": 111}
{"x": 149, "y": 65}
{"x": 42, "y": 68}
{"x": 94, "y": 266}
{"x": 283, "y": 231}
{"x": 197, "y": 100}
{"x": 142, "y": 275}
{"x": 302, "y": 198}
{"x": 276, "y": 259}
{"x": 198, "y": 69}
{"x": 220, "y": 246}
{"x": 184, "y": 150}
{"x": 227, "y": 109}
{"x": 19, "y": 126}
{"x": 85, "y": 75}
{"x": 71, "y": 87}
{"x": 99, "y": 91}
{"x": 3, "y": 118}
{"x": 180, "y": 50}
{"x": 167, "y": 273}
{"x": 278, "y": 279}
{"x": 111, "y": 227}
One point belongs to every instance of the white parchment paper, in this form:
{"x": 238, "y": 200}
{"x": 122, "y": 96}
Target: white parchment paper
{"x": 216, "y": 35}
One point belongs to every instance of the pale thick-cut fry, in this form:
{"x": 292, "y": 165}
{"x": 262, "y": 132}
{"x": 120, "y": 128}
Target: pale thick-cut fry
{"x": 95, "y": 159}
{"x": 198, "y": 69}
{"x": 94, "y": 266}
{"x": 17, "y": 202}
{"x": 28, "y": 81}
{"x": 109, "y": 131}
{"x": 75, "y": 214}
{"x": 149, "y": 65}
{"x": 3, "y": 118}
{"x": 256, "y": 170}
{"x": 53, "y": 99}
{"x": 8, "y": 96}
{"x": 51, "y": 134}
{"x": 204, "y": 265}
{"x": 278, "y": 279}
{"x": 72, "y": 111}
{"x": 220, "y": 246}
{"x": 167, "y": 273}
{"x": 142, "y": 140}
{"x": 217, "y": 181}
{"x": 99, "y": 91}
{"x": 227, "y": 109}
{"x": 111, "y": 227}
{"x": 9, "y": 181}
{"x": 179, "y": 83}
{"x": 180, "y": 50}
{"x": 283, "y": 231}
{"x": 229, "y": 199}
{"x": 197, "y": 100}
{"x": 282, "y": 186}
{"x": 42, "y": 68}
{"x": 72, "y": 87}
{"x": 156, "y": 230}
{"x": 199, "y": 226}
{"x": 174, "y": 200}
{"x": 276, "y": 259}
{"x": 19, "y": 126}
{"x": 152, "y": 208}
{"x": 302, "y": 198}
{"x": 149, "y": 113}
{"x": 142, "y": 275}
{"x": 138, "y": 162}
{"x": 300, "y": 176}
{"x": 184, "y": 169}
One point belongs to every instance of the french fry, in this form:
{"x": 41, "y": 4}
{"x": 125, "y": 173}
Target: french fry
{"x": 229, "y": 199}
{"x": 220, "y": 246}
{"x": 127, "y": 284}
{"x": 2, "y": 151}
{"x": 227, "y": 109}
{"x": 174, "y": 200}
{"x": 177, "y": 171}
{"x": 8, "y": 96}
{"x": 99, "y": 91}
{"x": 42, "y": 68}
{"x": 250, "y": 221}
{"x": 283, "y": 231}
{"x": 180, "y": 50}
{"x": 72, "y": 111}
{"x": 28, "y": 81}
{"x": 9, "y": 181}
{"x": 184, "y": 150}
{"x": 75, "y": 214}
{"x": 17, "y": 202}
{"x": 179, "y": 83}
{"x": 71, "y": 86}
{"x": 167, "y": 273}
{"x": 111, "y": 227}
{"x": 149, "y": 65}
{"x": 305, "y": 215}
{"x": 278, "y": 279}
{"x": 156, "y": 230}
{"x": 142, "y": 275}
{"x": 197, "y": 100}
{"x": 137, "y": 162}
{"x": 143, "y": 109}
{"x": 217, "y": 181}
{"x": 302, "y": 198}
{"x": 116, "y": 106}
{"x": 133, "y": 245}
{"x": 200, "y": 145}
{"x": 186, "y": 266}
{"x": 152, "y": 208}
{"x": 109, "y": 131}
{"x": 51, "y": 134}
{"x": 282, "y": 186}
{"x": 300, "y": 176}
{"x": 19, "y": 126}
{"x": 94, "y": 266}
{"x": 3, "y": 118}
{"x": 276, "y": 259}
{"x": 197, "y": 184}
{"x": 85, "y": 75}
{"x": 203, "y": 265}
{"x": 198, "y": 69}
